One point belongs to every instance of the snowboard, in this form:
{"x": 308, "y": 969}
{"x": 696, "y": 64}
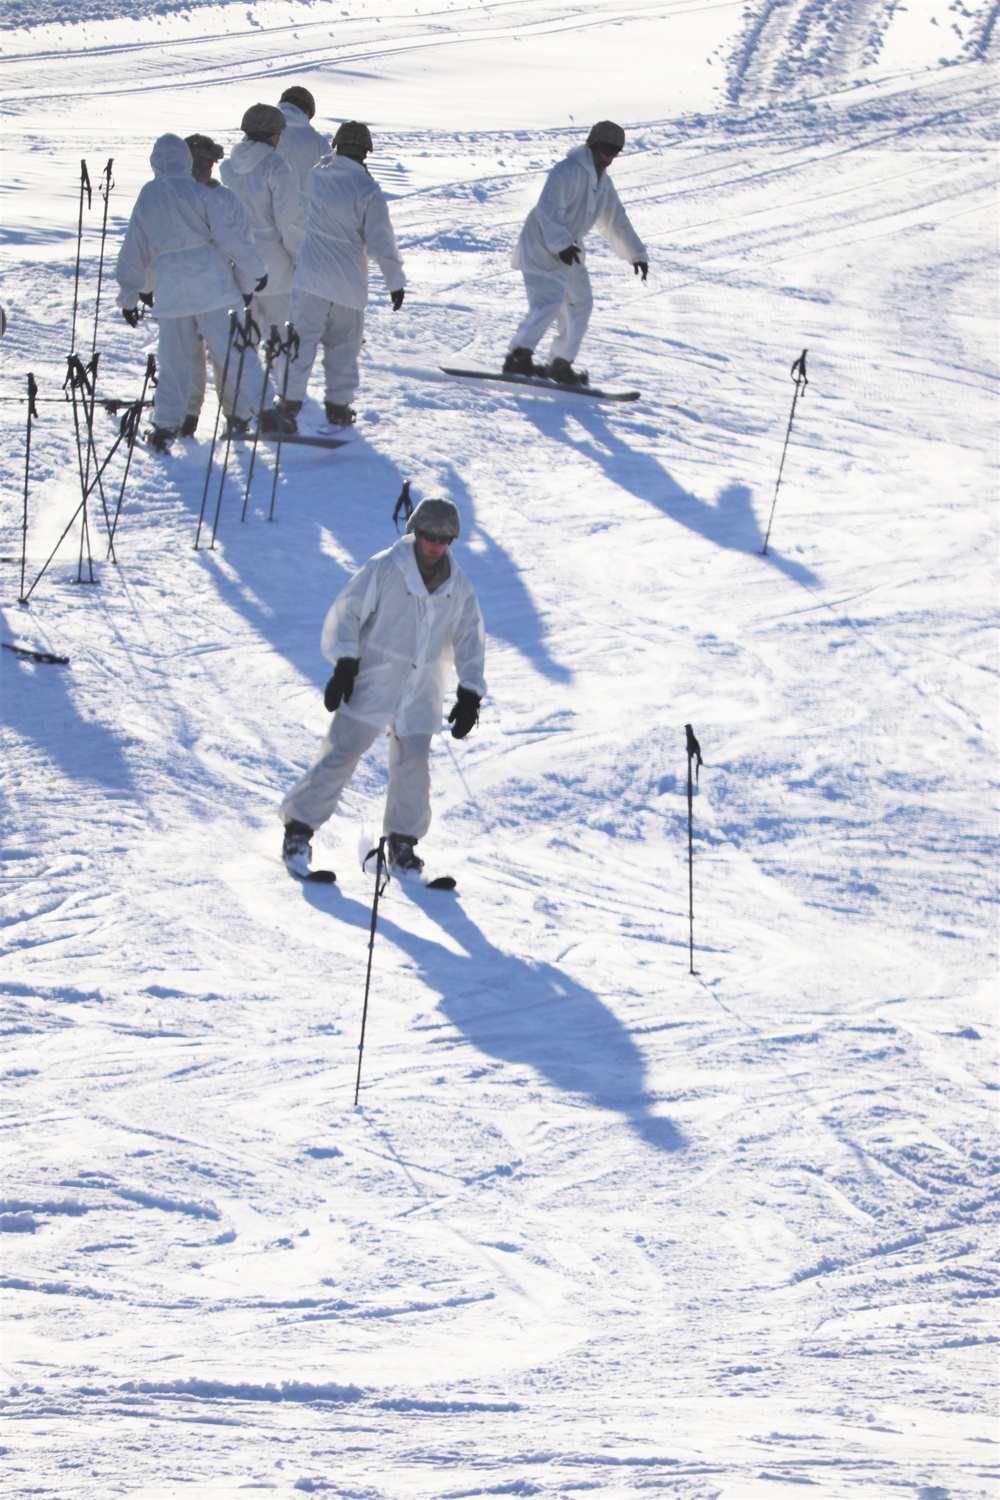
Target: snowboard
{"x": 542, "y": 383}
{"x": 290, "y": 439}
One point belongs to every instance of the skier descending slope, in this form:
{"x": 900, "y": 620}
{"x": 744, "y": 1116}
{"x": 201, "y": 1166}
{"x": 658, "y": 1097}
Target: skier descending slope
{"x": 392, "y": 634}
{"x": 183, "y": 251}
{"x": 347, "y": 222}
{"x": 578, "y": 195}
{"x": 266, "y": 185}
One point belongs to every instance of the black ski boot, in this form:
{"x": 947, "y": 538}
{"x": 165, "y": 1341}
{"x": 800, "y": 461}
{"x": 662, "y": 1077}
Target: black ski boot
{"x": 403, "y": 858}
{"x": 280, "y": 418}
{"x": 521, "y": 362}
{"x": 339, "y": 416}
{"x": 160, "y": 438}
{"x": 296, "y": 849}
{"x": 561, "y": 371}
{"x": 237, "y": 426}
{"x": 189, "y": 426}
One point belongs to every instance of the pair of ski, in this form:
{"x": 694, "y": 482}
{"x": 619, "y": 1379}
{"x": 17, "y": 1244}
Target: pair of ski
{"x": 368, "y": 865}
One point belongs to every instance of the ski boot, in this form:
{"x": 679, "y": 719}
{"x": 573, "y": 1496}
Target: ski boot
{"x": 236, "y": 426}
{"x": 279, "y": 420}
{"x": 520, "y": 362}
{"x": 402, "y": 856}
{"x": 160, "y": 438}
{"x": 563, "y": 373}
{"x": 339, "y": 416}
{"x": 189, "y": 426}
{"x": 296, "y": 849}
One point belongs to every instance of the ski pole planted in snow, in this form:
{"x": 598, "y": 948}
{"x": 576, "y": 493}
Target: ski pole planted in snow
{"x": 799, "y": 376}
{"x": 693, "y": 755}
{"x": 107, "y": 183}
{"x": 84, "y": 188}
{"x": 247, "y": 337}
{"x": 129, "y": 430}
{"x": 234, "y": 324}
{"x": 271, "y": 351}
{"x": 381, "y": 881}
{"x": 32, "y": 412}
{"x": 404, "y": 505}
{"x": 290, "y": 348}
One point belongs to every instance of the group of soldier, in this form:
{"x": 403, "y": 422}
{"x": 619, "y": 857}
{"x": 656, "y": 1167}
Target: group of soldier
{"x": 290, "y": 229}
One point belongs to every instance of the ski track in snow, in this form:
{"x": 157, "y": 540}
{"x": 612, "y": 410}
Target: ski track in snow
{"x": 598, "y": 1224}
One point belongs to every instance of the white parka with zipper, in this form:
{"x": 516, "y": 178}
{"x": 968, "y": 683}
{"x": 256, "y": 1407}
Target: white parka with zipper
{"x": 406, "y": 639}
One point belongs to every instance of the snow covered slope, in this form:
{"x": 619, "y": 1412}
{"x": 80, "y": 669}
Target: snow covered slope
{"x": 599, "y": 1224}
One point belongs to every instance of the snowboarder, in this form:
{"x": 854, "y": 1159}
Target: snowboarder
{"x": 391, "y": 634}
{"x": 347, "y": 224}
{"x": 183, "y": 255}
{"x": 578, "y": 195}
{"x": 266, "y": 185}
{"x": 300, "y": 143}
{"x": 205, "y": 153}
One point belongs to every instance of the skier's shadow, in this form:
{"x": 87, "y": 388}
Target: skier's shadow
{"x": 729, "y": 522}
{"x": 507, "y": 604}
{"x": 532, "y": 1015}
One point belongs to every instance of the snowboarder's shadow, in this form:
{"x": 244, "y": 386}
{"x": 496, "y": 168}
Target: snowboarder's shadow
{"x": 530, "y": 1014}
{"x": 730, "y": 522}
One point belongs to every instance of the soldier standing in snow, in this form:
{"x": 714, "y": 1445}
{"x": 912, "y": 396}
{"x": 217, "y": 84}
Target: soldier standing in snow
{"x": 347, "y": 223}
{"x": 266, "y": 186}
{"x": 392, "y": 634}
{"x": 205, "y": 153}
{"x": 578, "y": 195}
{"x": 300, "y": 143}
{"x": 183, "y": 253}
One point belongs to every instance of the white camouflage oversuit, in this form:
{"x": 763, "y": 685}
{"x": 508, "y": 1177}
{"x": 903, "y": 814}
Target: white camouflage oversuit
{"x": 573, "y": 201}
{"x": 346, "y": 225}
{"x": 265, "y": 184}
{"x": 406, "y": 640}
{"x": 183, "y": 246}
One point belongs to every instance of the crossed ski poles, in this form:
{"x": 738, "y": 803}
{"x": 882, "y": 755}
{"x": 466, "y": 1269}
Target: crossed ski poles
{"x": 275, "y": 347}
{"x": 241, "y": 333}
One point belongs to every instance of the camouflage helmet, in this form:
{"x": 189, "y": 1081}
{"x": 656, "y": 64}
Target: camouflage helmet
{"x": 352, "y": 135}
{"x": 263, "y": 120}
{"x": 203, "y": 148}
{"x": 436, "y": 519}
{"x": 301, "y": 98}
{"x": 606, "y": 133}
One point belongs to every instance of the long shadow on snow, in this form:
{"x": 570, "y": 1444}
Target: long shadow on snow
{"x": 525, "y": 1013}
{"x": 730, "y": 522}
{"x": 38, "y": 705}
{"x": 508, "y": 608}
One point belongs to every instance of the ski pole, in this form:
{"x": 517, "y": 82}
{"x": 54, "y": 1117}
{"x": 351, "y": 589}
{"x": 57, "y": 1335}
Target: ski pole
{"x": 107, "y": 183}
{"x": 32, "y": 412}
{"x": 693, "y": 754}
{"x": 404, "y": 505}
{"x": 271, "y": 351}
{"x": 129, "y": 429}
{"x": 799, "y": 376}
{"x": 244, "y": 341}
{"x": 76, "y": 380}
{"x": 380, "y": 886}
{"x": 291, "y": 348}
{"x": 233, "y": 325}
{"x": 84, "y": 188}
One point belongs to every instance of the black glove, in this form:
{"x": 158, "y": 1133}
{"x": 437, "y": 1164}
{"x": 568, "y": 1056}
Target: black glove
{"x": 465, "y": 714}
{"x": 641, "y": 267}
{"x": 397, "y": 299}
{"x": 262, "y": 283}
{"x": 247, "y": 298}
{"x": 131, "y": 316}
{"x": 341, "y": 684}
{"x": 146, "y": 297}
{"x": 570, "y": 256}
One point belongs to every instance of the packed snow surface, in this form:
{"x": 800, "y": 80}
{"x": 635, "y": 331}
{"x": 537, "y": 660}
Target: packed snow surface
{"x": 599, "y": 1224}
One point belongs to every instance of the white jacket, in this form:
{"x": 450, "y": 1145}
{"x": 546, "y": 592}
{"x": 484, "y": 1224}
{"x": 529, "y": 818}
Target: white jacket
{"x": 573, "y": 201}
{"x": 406, "y": 639}
{"x": 301, "y": 145}
{"x": 182, "y": 244}
{"x": 347, "y": 223}
{"x": 266, "y": 186}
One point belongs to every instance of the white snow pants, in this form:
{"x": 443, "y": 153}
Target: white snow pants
{"x": 178, "y": 350}
{"x": 341, "y": 331}
{"x": 408, "y": 805}
{"x": 563, "y": 297}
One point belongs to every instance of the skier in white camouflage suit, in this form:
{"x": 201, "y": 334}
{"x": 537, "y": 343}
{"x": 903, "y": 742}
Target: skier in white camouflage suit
{"x": 392, "y": 635}
{"x": 346, "y": 225}
{"x": 183, "y": 254}
{"x": 300, "y": 143}
{"x": 266, "y": 186}
{"x": 578, "y": 196}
